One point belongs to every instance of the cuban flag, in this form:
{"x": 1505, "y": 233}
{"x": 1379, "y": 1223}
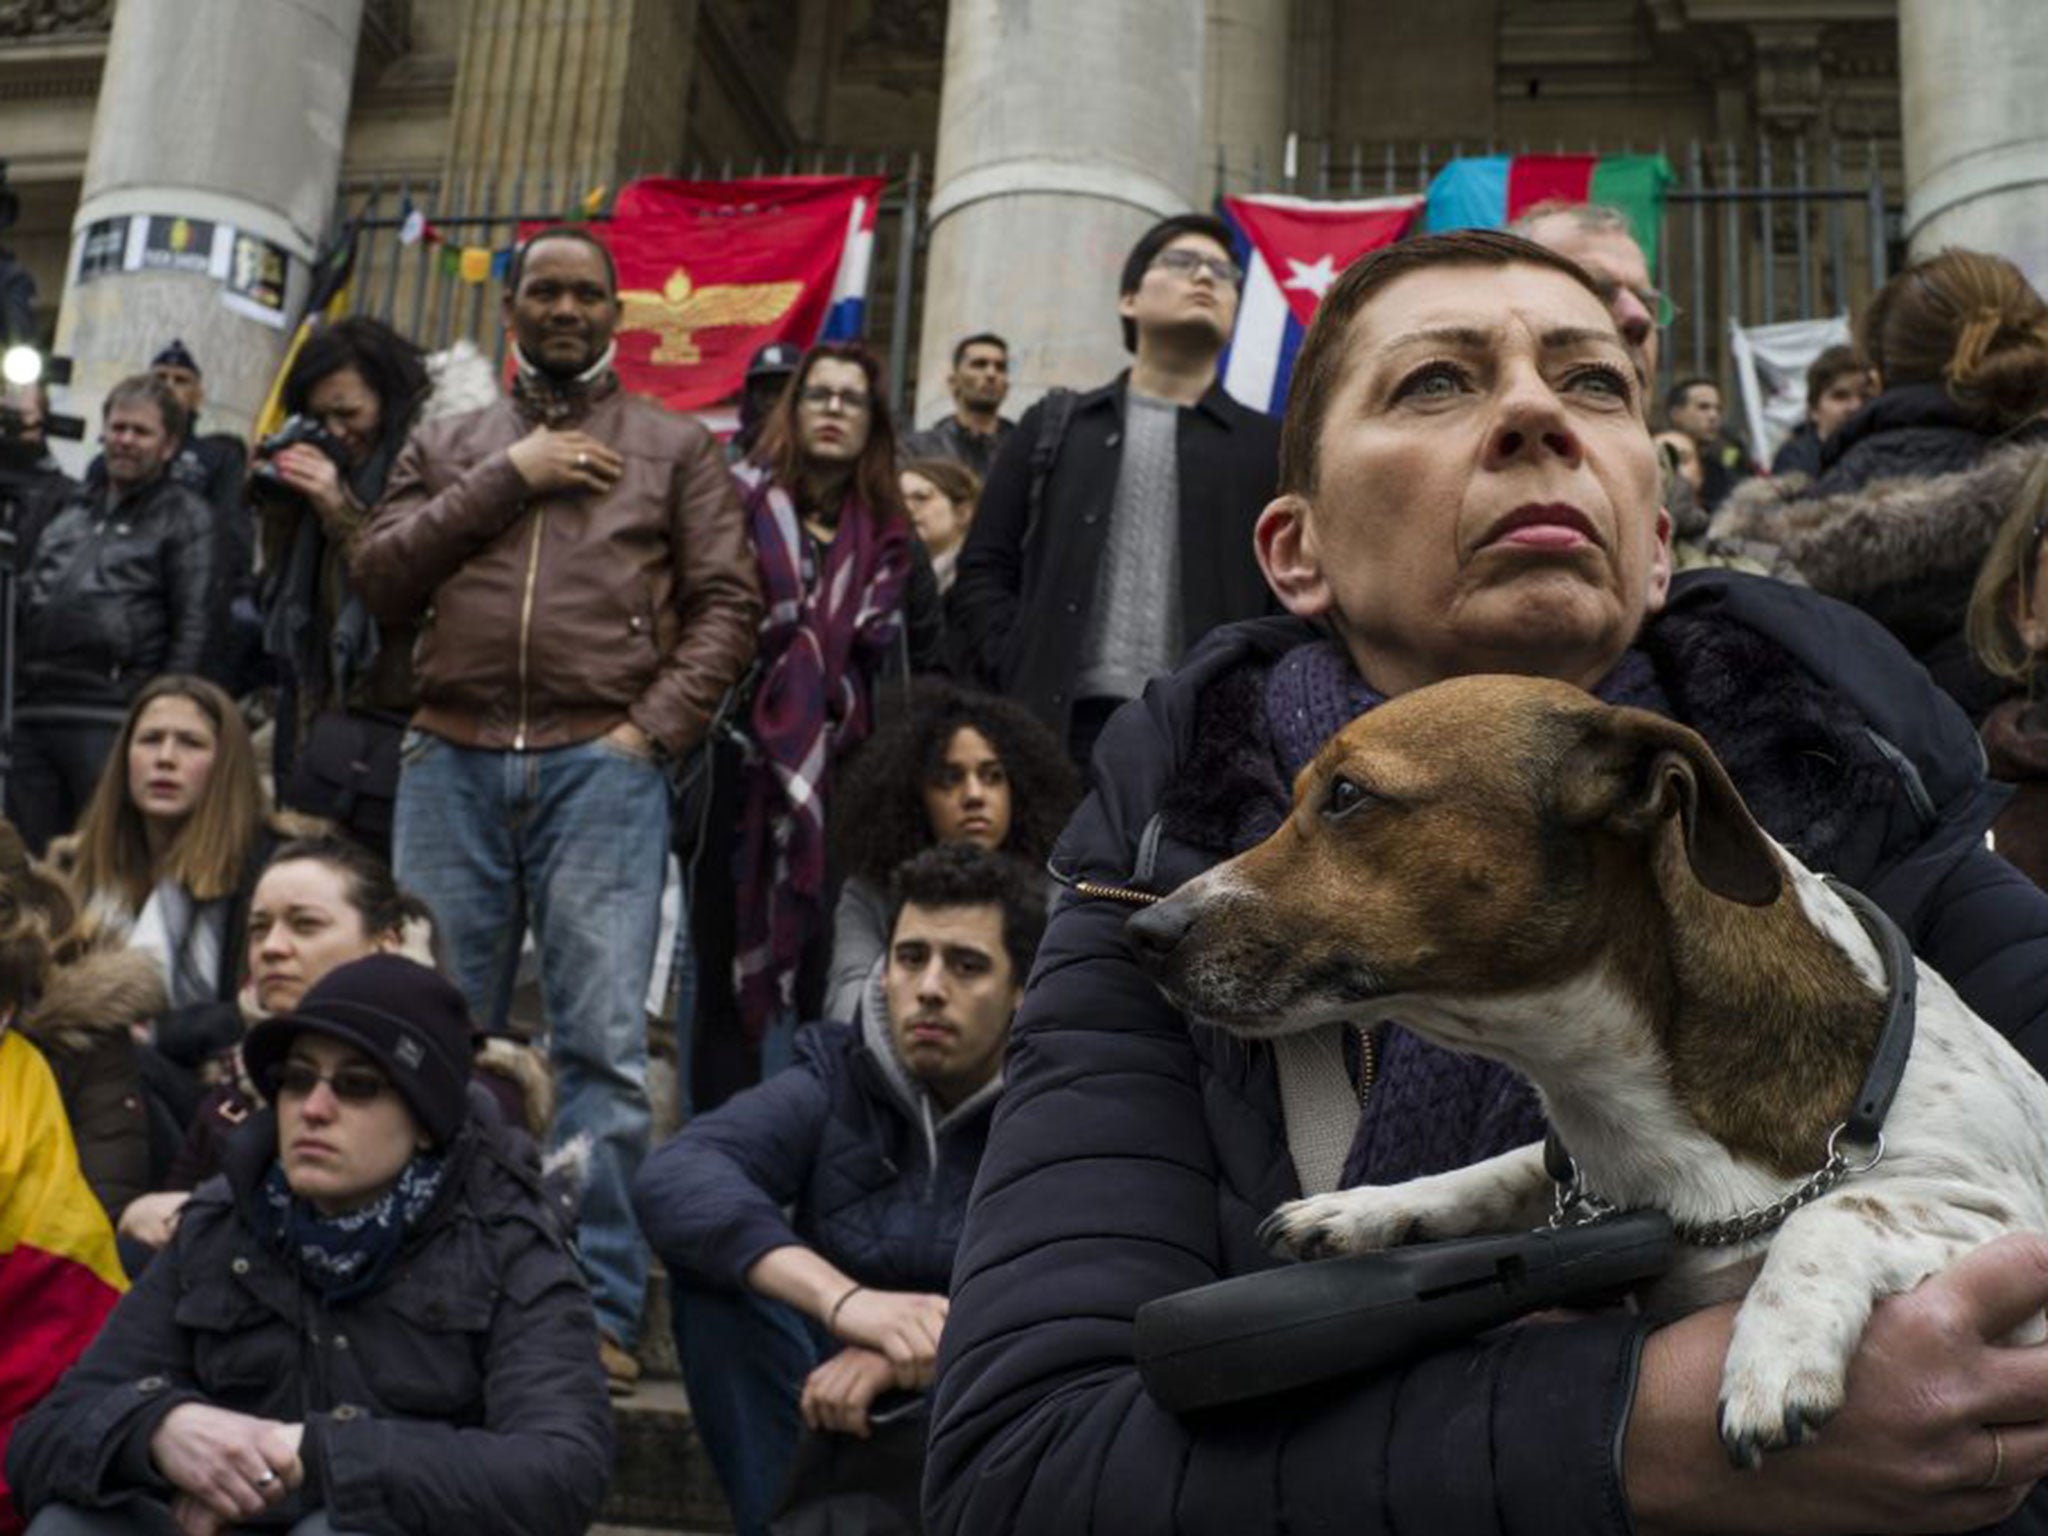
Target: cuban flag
{"x": 1291, "y": 249}
{"x": 847, "y": 319}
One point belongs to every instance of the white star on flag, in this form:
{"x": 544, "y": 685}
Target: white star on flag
{"x": 1312, "y": 276}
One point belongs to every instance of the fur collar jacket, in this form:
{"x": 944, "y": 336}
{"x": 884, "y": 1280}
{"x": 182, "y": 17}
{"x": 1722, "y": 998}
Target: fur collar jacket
{"x": 1889, "y": 535}
{"x": 1905, "y": 548}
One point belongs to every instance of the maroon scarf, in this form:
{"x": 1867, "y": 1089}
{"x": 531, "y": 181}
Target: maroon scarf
{"x": 821, "y": 644}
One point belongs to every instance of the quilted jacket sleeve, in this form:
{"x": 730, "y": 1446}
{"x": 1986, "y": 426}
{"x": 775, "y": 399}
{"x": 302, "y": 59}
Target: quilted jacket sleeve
{"x": 712, "y": 1198}
{"x": 1100, "y": 1191}
{"x": 1986, "y": 930}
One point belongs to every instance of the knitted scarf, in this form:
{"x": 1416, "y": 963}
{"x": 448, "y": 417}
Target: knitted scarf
{"x": 1430, "y": 1110}
{"x": 347, "y": 1255}
{"x": 554, "y": 402}
{"x": 826, "y": 633}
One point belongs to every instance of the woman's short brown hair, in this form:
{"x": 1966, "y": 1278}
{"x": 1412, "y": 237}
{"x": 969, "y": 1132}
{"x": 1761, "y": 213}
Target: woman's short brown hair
{"x": 1324, "y": 358}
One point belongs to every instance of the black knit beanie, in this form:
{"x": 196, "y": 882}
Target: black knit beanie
{"x": 406, "y": 1017}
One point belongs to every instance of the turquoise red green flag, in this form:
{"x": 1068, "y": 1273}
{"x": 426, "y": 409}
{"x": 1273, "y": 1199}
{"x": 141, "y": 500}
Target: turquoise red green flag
{"x": 1491, "y": 191}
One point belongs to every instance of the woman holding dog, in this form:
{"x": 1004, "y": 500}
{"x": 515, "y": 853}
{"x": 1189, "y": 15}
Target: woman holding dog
{"x": 1467, "y": 486}
{"x": 372, "y": 1323}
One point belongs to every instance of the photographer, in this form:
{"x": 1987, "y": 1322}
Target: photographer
{"x": 32, "y": 487}
{"x": 119, "y": 589}
{"x": 354, "y": 393}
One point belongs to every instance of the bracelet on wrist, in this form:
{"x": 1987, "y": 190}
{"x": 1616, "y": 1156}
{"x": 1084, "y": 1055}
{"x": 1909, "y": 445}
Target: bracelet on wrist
{"x": 832, "y": 1317}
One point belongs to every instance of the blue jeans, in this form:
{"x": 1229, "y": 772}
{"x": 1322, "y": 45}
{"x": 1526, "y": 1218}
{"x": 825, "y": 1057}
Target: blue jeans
{"x": 744, "y": 1361}
{"x": 574, "y": 843}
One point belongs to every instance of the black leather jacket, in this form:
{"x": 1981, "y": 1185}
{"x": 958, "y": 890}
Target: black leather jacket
{"x": 116, "y": 596}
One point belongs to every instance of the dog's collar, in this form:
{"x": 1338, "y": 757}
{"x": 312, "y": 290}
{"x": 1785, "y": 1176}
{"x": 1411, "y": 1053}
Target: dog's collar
{"x": 1864, "y": 1127}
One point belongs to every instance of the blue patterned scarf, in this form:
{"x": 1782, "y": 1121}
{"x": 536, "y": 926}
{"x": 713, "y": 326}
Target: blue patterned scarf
{"x": 347, "y": 1255}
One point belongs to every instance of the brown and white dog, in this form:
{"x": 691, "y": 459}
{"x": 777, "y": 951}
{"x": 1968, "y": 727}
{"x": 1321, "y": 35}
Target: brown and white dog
{"x": 1512, "y": 869}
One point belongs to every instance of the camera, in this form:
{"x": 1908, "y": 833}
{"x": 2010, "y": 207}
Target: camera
{"x": 295, "y": 431}
{"x": 14, "y": 425}
{"x": 265, "y": 483}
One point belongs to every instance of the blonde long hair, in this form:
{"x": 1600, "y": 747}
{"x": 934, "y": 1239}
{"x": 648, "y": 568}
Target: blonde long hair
{"x": 2005, "y": 583}
{"x": 208, "y": 855}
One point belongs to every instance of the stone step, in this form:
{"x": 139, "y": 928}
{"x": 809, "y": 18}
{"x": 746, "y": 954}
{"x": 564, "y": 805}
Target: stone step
{"x": 662, "y": 1480}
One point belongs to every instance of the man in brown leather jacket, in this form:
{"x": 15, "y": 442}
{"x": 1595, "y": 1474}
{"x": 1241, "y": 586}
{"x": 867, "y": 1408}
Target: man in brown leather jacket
{"x": 579, "y": 569}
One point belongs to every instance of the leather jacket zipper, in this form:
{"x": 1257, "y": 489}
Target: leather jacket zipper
{"x": 526, "y": 624}
{"x": 1368, "y": 1062}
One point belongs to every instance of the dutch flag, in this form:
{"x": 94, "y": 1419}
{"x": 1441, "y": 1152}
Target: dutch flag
{"x": 847, "y": 318}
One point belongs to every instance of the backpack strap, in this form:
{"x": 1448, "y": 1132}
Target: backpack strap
{"x": 1056, "y": 410}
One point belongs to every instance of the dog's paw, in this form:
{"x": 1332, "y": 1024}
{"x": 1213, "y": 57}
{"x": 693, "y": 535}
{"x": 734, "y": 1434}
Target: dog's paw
{"x": 1774, "y": 1396}
{"x": 1363, "y": 1220}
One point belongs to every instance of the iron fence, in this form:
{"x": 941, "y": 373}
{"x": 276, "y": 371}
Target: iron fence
{"x": 1751, "y": 232}
{"x": 412, "y": 288}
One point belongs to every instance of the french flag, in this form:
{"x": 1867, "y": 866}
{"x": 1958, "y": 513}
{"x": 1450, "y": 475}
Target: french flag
{"x": 1291, "y": 249}
{"x": 847, "y": 319}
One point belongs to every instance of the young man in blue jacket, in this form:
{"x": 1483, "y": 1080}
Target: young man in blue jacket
{"x": 809, "y": 1223}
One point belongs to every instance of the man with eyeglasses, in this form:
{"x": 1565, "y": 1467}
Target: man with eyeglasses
{"x": 1599, "y": 239}
{"x": 579, "y": 568}
{"x": 1116, "y": 526}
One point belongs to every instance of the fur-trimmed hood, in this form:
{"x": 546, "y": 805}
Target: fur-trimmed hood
{"x": 101, "y": 992}
{"x": 1887, "y": 535}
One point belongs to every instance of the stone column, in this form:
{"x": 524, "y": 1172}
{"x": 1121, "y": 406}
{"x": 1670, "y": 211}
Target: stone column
{"x": 1976, "y": 128}
{"x": 1065, "y": 128}
{"x": 227, "y": 115}
{"x": 1245, "y": 100}
{"x": 567, "y": 94}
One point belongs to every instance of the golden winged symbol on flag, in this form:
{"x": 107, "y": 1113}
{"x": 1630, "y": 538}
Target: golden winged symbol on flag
{"x": 681, "y": 308}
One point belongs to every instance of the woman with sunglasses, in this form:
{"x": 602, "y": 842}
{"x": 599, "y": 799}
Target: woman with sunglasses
{"x": 851, "y": 600}
{"x": 371, "y": 1323}
{"x": 321, "y": 902}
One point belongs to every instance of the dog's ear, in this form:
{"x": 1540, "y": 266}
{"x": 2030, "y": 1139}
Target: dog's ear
{"x": 1632, "y": 771}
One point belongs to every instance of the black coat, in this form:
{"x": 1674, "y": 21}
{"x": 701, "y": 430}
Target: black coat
{"x": 828, "y": 1153}
{"x": 464, "y": 1394}
{"x": 1915, "y": 430}
{"x": 1021, "y": 597}
{"x": 1133, "y": 1154}
{"x": 116, "y": 596}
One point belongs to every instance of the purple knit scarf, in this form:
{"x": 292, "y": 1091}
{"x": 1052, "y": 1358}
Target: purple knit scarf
{"x": 1430, "y": 1110}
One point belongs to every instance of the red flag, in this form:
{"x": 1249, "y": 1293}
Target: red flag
{"x": 710, "y": 271}
{"x": 1534, "y": 179}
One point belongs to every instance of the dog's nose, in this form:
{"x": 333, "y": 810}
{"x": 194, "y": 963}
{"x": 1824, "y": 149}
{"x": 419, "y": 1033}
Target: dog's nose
{"x": 1156, "y": 932}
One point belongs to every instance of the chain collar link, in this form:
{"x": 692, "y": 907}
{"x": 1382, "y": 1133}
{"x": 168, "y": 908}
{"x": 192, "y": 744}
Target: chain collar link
{"x": 1578, "y": 1206}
